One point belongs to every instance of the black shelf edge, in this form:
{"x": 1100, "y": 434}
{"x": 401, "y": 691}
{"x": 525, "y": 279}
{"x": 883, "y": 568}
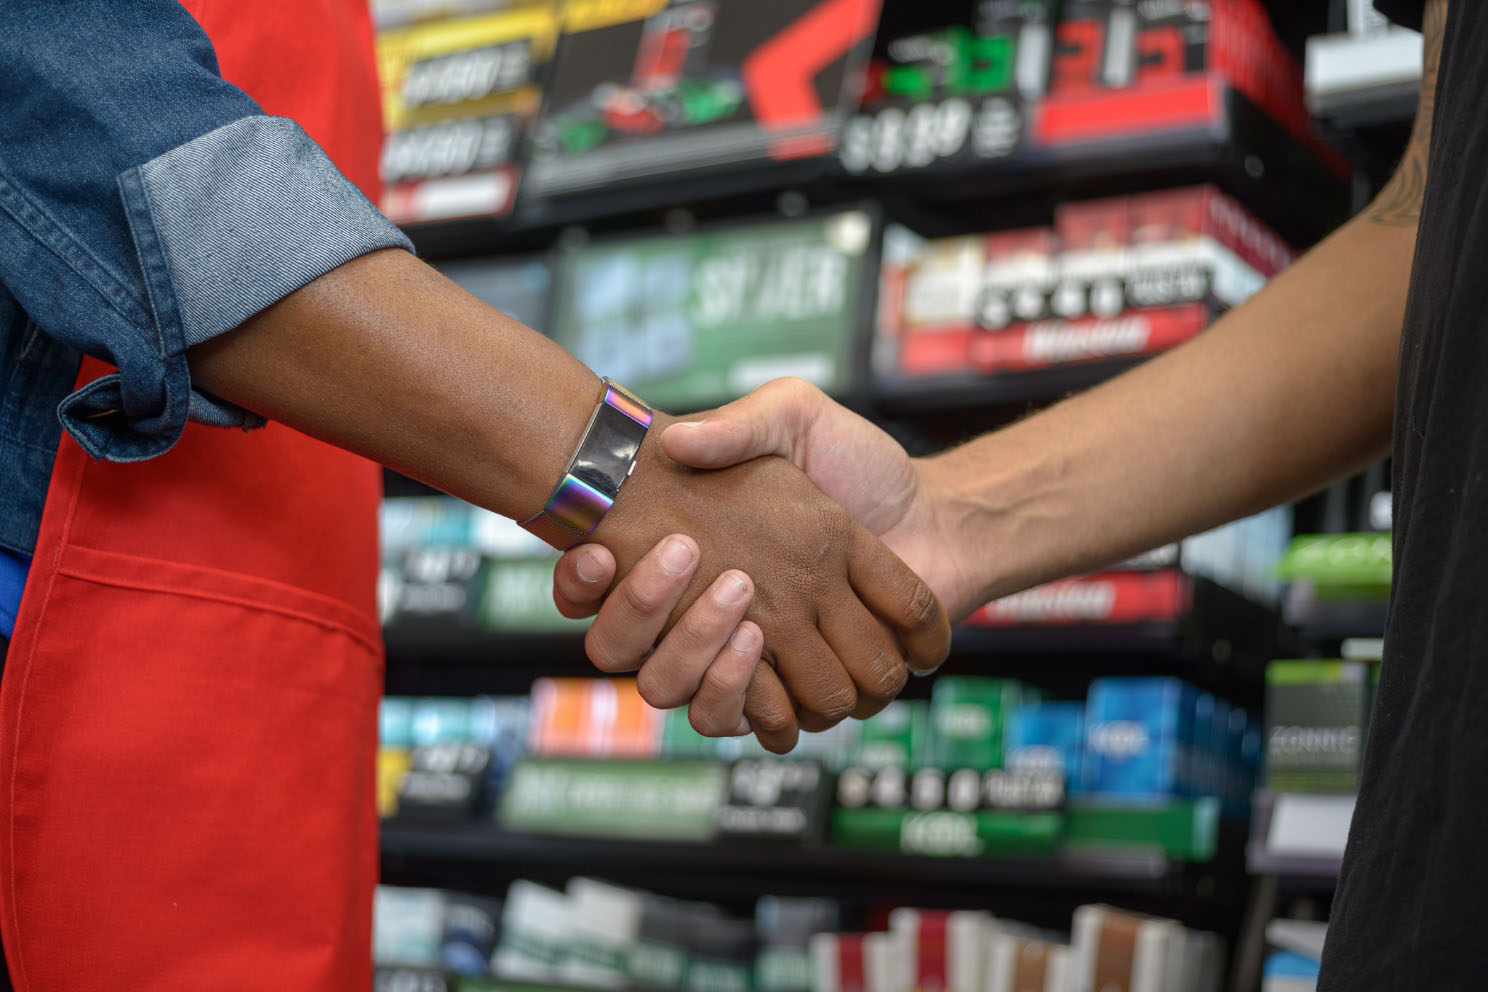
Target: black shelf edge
{"x": 1136, "y": 872}
{"x": 899, "y": 396}
{"x": 1240, "y": 151}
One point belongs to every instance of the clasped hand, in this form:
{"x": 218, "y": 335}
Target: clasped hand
{"x": 729, "y": 553}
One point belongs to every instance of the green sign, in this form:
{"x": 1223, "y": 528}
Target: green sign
{"x": 643, "y": 800}
{"x": 518, "y": 596}
{"x": 1339, "y": 561}
{"x": 697, "y": 319}
{"x": 946, "y": 833}
{"x": 1184, "y": 829}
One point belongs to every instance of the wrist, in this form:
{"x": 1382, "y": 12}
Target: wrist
{"x": 597, "y": 471}
{"x": 992, "y": 512}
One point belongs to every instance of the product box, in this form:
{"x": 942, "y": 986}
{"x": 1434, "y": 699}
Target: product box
{"x": 968, "y": 717}
{"x": 1316, "y": 715}
{"x": 939, "y": 950}
{"x": 723, "y": 952}
{"x": 642, "y": 91}
{"x": 1019, "y": 277}
{"x": 1093, "y": 237}
{"x": 536, "y": 929}
{"x": 1048, "y": 736}
{"x": 785, "y": 926}
{"x": 1115, "y": 950}
{"x": 658, "y": 959}
{"x": 471, "y": 927}
{"x": 407, "y": 926}
{"x": 898, "y": 735}
{"x": 459, "y": 97}
{"x": 837, "y": 963}
{"x": 1139, "y": 738}
{"x": 689, "y": 320}
{"x": 593, "y": 718}
{"x": 605, "y": 924}
{"x": 1023, "y": 963}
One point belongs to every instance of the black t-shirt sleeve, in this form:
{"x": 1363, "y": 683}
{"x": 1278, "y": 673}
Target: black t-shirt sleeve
{"x": 1405, "y": 12}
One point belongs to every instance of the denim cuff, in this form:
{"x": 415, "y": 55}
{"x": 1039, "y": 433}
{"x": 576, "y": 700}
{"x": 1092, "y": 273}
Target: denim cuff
{"x": 223, "y": 226}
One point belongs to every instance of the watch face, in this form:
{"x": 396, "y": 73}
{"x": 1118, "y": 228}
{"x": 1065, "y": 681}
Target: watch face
{"x": 608, "y": 451}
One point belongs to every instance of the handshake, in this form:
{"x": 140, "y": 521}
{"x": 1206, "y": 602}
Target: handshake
{"x": 781, "y": 528}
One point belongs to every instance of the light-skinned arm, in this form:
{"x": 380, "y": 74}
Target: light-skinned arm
{"x": 1281, "y": 396}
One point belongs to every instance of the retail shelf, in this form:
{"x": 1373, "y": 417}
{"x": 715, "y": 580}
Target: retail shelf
{"x": 1212, "y": 133}
{"x": 781, "y": 866}
{"x": 971, "y": 390}
{"x": 1355, "y": 80}
{"x": 1232, "y": 142}
{"x": 1299, "y": 838}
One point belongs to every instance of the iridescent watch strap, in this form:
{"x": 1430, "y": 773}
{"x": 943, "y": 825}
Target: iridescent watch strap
{"x": 604, "y": 459}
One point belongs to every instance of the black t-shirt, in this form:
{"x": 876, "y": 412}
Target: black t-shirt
{"x": 1412, "y": 904}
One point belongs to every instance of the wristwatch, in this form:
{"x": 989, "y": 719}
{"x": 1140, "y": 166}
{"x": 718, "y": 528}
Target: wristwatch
{"x": 604, "y": 460}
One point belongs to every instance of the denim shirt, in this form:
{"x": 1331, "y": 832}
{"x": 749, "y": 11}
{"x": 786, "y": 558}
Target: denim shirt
{"x": 146, "y": 205}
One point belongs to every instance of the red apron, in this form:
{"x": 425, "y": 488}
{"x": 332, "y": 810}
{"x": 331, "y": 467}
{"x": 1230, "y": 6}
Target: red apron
{"x": 189, "y": 708}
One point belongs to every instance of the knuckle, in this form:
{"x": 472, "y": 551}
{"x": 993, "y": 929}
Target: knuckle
{"x": 600, "y": 651}
{"x": 643, "y": 599}
{"x": 772, "y": 720}
{"x": 836, "y": 705}
{"x": 889, "y": 678}
{"x": 717, "y": 684}
{"x": 705, "y": 723}
{"x": 659, "y": 688}
{"x": 921, "y": 609}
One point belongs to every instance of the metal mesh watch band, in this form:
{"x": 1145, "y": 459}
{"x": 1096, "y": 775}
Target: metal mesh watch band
{"x": 604, "y": 459}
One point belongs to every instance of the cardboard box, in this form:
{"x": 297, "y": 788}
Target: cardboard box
{"x": 1316, "y": 715}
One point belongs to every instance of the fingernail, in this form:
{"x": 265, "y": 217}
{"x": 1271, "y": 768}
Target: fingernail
{"x": 745, "y": 639}
{"x": 924, "y": 673}
{"x": 589, "y": 568}
{"x": 730, "y": 590}
{"x": 676, "y": 556}
{"x": 743, "y": 729}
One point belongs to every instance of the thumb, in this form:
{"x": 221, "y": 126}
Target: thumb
{"x": 769, "y": 421}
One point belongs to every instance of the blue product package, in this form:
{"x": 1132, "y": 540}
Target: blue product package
{"x": 1048, "y": 736}
{"x": 439, "y": 720}
{"x": 395, "y": 722}
{"x": 1219, "y": 737}
{"x": 1139, "y": 738}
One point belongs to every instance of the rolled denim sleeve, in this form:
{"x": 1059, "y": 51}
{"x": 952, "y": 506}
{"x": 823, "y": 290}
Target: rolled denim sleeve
{"x": 146, "y": 205}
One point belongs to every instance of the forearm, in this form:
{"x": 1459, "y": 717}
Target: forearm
{"x": 386, "y": 357}
{"x": 1282, "y": 395}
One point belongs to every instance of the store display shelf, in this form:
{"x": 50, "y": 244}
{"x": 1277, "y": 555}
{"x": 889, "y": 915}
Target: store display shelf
{"x": 1355, "y": 81}
{"x": 1201, "y": 131}
{"x": 1299, "y": 838}
{"x": 1135, "y": 871}
{"x": 961, "y": 392}
{"x": 1216, "y": 135}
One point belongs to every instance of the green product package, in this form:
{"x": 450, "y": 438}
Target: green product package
{"x": 654, "y": 965}
{"x": 1316, "y": 715}
{"x": 782, "y": 969}
{"x": 897, "y": 736}
{"x": 641, "y": 800}
{"x": 968, "y": 717}
{"x": 517, "y": 595}
{"x": 1339, "y": 565}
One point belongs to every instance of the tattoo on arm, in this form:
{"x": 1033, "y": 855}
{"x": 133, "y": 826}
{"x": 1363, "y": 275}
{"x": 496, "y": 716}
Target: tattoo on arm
{"x": 1399, "y": 203}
